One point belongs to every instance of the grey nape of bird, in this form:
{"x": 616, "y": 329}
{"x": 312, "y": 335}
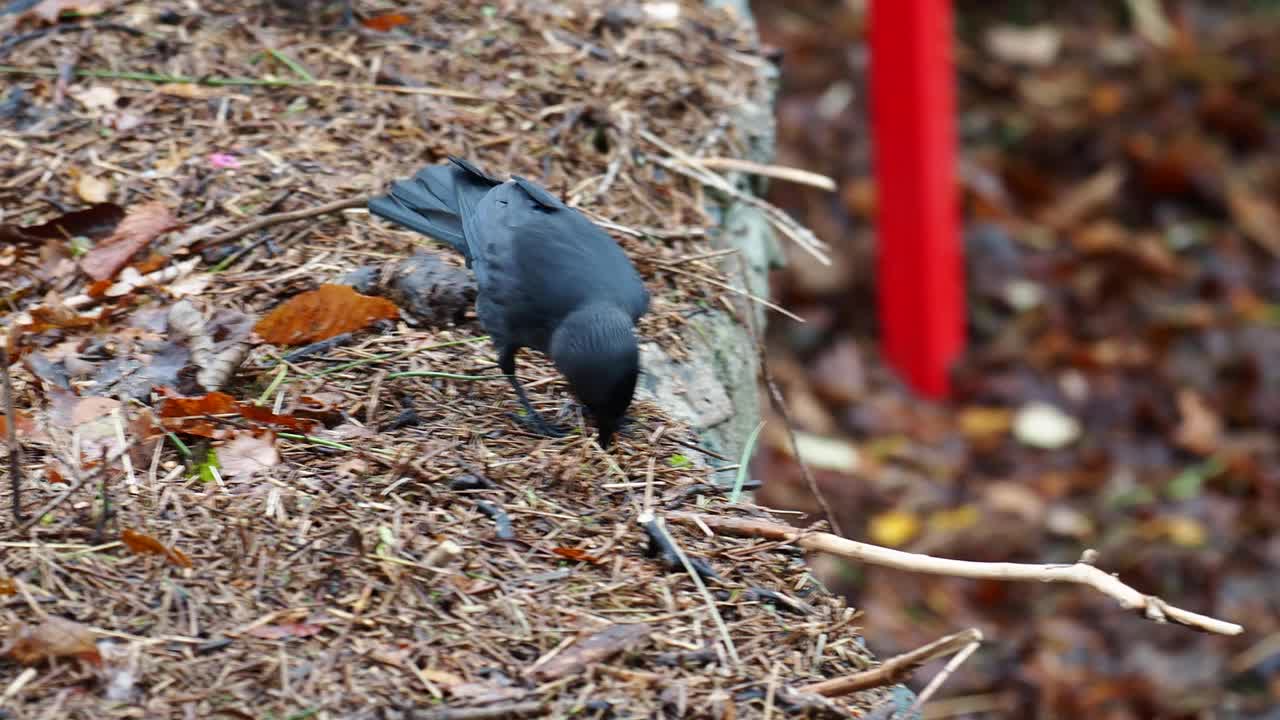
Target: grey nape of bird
{"x": 547, "y": 278}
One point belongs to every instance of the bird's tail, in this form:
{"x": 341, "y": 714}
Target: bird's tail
{"x": 433, "y": 201}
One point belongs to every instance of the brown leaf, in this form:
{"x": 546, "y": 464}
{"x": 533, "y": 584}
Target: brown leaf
{"x": 187, "y": 414}
{"x": 55, "y": 637}
{"x": 260, "y": 414}
{"x": 383, "y": 23}
{"x": 144, "y": 544}
{"x": 93, "y": 189}
{"x": 322, "y": 313}
{"x": 8, "y": 586}
{"x": 140, "y": 226}
{"x": 248, "y": 453}
{"x": 1257, "y": 217}
{"x": 592, "y": 649}
{"x": 1200, "y": 429}
{"x": 575, "y": 554}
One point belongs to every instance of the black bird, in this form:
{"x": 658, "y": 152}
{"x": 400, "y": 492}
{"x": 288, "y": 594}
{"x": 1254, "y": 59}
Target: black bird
{"x": 547, "y": 277}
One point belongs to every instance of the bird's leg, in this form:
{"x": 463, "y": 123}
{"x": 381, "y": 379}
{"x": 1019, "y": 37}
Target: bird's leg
{"x": 533, "y": 419}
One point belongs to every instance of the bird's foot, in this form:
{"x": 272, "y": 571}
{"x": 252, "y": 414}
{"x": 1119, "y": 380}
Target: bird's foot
{"x": 538, "y": 425}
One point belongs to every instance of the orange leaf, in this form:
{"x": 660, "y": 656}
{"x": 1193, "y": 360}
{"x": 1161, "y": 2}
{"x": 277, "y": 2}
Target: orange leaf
{"x": 55, "y": 637}
{"x": 139, "y": 227}
{"x": 186, "y": 414}
{"x": 322, "y": 313}
{"x": 263, "y": 415}
{"x": 575, "y": 554}
{"x": 8, "y": 586}
{"x": 383, "y": 23}
{"x": 98, "y": 288}
{"x": 144, "y": 544}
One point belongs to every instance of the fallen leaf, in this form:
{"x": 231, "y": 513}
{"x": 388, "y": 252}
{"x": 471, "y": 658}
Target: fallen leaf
{"x": 248, "y": 453}
{"x": 894, "y": 528}
{"x": 94, "y": 97}
{"x": 838, "y": 375}
{"x": 1200, "y": 428}
{"x": 55, "y": 637}
{"x": 442, "y": 678}
{"x": 383, "y": 23}
{"x": 592, "y": 650}
{"x": 322, "y": 313}
{"x": 1257, "y": 217}
{"x": 985, "y": 423}
{"x": 952, "y": 520}
{"x": 1044, "y": 426}
{"x": 8, "y": 586}
{"x": 92, "y": 189}
{"x": 1036, "y": 46}
{"x": 1181, "y": 530}
{"x": 575, "y": 554}
{"x": 142, "y": 224}
{"x": 188, "y": 414}
{"x": 144, "y": 544}
{"x": 824, "y": 452}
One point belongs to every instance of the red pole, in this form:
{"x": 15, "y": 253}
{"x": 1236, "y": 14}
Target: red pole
{"x": 920, "y": 275}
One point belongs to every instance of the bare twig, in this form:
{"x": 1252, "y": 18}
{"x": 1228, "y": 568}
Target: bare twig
{"x": 779, "y": 172}
{"x": 11, "y": 430}
{"x": 896, "y": 668}
{"x": 735, "y": 290}
{"x": 492, "y": 712}
{"x": 729, "y": 647}
{"x": 689, "y": 166}
{"x": 79, "y": 481}
{"x": 780, "y": 406}
{"x": 1151, "y": 607}
{"x": 946, "y": 672}
{"x": 267, "y": 221}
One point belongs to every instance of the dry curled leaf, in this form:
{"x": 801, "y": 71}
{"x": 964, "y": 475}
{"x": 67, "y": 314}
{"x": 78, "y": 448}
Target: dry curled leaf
{"x": 247, "y": 454}
{"x": 144, "y": 544}
{"x": 55, "y": 637}
{"x": 142, "y": 224}
{"x": 322, "y": 313}
{"x": 93, "y": 189}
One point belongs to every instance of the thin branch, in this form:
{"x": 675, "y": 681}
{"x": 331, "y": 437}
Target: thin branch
{"x": 162, "y": 78}
{"x": 946, "y": 672}
{"x": 780, "y": 406}
{"x": 729, "y": 647}
{"x": 1081, "y": 573}
{"x": 11, "y": 429}
{"x": 76, "y": 484}
{"x": 687, "y": 165}
{"x": 267, "y": 221}
{"x": 779, "y": 172}
{"x": 896, "y": 668}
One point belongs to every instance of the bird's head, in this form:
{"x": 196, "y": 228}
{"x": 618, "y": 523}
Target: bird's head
{"x": 595, "y": 349}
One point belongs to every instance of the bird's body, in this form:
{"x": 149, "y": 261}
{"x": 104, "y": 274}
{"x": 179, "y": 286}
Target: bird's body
{"x": 547, "y": 278}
